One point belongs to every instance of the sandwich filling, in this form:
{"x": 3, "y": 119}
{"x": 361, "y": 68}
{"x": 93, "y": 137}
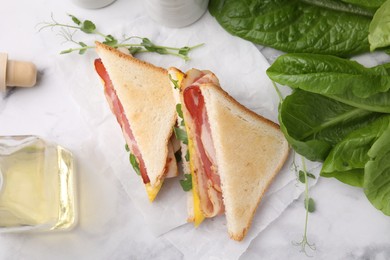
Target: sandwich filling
{"x": 117, "y": 109}
{"x": 206, "y": 176}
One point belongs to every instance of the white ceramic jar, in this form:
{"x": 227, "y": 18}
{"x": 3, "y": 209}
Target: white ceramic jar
{"x": 175, "y": 13}
{"x": 92, "y": 4}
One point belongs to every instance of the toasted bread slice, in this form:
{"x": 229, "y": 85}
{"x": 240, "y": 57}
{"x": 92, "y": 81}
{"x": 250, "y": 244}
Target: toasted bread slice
{"x": 149, "y": 106}
{"x": 250, "y": 151}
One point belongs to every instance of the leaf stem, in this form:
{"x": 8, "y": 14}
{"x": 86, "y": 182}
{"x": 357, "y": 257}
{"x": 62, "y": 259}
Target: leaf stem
{"x": 278, "y": 91}
{"x": 306, "y": 198}
{"x": 178, "y": 49}
{"x": 55, "y": 24}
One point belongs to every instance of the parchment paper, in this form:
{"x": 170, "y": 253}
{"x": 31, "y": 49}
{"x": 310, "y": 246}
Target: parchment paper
{"x": 240, "y": 68}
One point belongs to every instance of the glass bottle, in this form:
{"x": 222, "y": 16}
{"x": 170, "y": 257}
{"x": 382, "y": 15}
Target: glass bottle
{"x": 37, "y": 190}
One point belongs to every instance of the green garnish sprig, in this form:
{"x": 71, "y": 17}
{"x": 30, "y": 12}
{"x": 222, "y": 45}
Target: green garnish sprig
{"x": 175, "y": 83}
{"x": 182, "y": 136}
{"x": 134, "y": 44}
{"x": 133, "y": 160}
{"x": 186, "y": 183}
{"x": 303, "y": 177}
{"x": 180, "y": 133}
{"x": 309, "y": 204}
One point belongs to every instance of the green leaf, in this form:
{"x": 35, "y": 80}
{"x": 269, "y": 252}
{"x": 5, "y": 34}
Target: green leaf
{"x": 379, "y": 30}
{"x": 181, "y": 135}
{"x": 313, "y": 124}
{"x": 148, "y": 45}
{"x": 83, "y": 45}
{"x": 329, "y": 75}
{"x": 187, "y": 157}
{"x": 186, "y": 183}
{"x": 179, "y": 110}
{"x": 88, "y": 27}
{"x": 159, "y": 50}
{"x": 346, "y": 161}
{"x": 66, "y": 51}
{"x": 134, "y": 163}
{"x": 336, "y": 78}
{"x": 184, "y": 51}
{"x": 297, "y": 26}
{"x": 75, "y": 19}
{"x": 110, "y": 40}
{"x": 301, "y": 176}
{"x": 310, "y": 205}
{"x": 176, "y": 86}
{"x": 353, "y": 177}
{"x": 134, "y": 50}
{"x": 377, "y": 174}
{"x": 127, "y": 148}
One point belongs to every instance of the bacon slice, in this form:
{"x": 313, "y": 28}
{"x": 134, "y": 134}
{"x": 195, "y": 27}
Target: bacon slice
{"x": 117, "y": 109}
{"x": 207, "y": 177}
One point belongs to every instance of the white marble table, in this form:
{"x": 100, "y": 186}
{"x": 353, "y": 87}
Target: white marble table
{"x": 344, "y": 226}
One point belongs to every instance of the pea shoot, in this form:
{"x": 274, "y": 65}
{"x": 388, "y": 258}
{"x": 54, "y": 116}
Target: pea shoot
{"x": 134, "y": 44}
{"x": 309, "y": 204}
{"x": 303, "y": 177}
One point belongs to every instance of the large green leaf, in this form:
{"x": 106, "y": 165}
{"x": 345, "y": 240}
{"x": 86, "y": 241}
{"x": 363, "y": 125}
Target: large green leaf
{"x": 328, "y": 75}
{"x": 379, "y": 30}
{"x": 313, "y": 123}
{"x": 341, "y": 79}
{"x": 296, "y": 26}
{"x": 346, "y": 161}
{"x": 377, "y": 174}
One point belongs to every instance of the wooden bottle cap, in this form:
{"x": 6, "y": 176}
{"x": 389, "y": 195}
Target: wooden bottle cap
{"x": 16, "y": 73}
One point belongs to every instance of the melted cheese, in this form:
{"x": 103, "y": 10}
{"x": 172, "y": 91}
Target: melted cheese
{"x": 198, "y": 215}
{"x": 179, "y": 77}
{"x": 152, "y": 191}
{"x": 194, "y": 210}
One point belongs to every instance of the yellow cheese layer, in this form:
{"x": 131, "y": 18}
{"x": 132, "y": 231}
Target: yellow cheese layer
{"x": 198, "y": 215}
{"x": 152, "y": 191}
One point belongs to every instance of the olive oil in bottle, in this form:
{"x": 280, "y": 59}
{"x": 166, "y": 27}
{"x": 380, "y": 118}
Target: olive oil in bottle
{"x": 37, "y": 191}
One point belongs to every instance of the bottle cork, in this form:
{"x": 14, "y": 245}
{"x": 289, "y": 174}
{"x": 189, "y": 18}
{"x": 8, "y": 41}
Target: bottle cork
{"x": 16, "y": 73}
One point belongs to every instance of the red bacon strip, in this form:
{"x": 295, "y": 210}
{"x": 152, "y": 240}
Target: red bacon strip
{"x": 208, "y": 178}
{"x": 117, "y": 109}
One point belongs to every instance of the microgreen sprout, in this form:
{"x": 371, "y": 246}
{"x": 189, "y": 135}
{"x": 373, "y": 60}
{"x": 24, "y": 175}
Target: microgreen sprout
{"x": 302, "y": 177}
{"x": 134, "y": 44}
{"x": 309, "y": 206}
{"x": 186, "y": 183}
